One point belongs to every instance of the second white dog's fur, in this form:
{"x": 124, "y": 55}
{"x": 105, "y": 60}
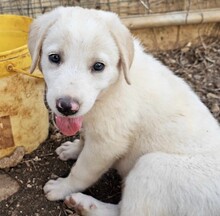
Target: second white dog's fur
{"x": 156, "y": 132}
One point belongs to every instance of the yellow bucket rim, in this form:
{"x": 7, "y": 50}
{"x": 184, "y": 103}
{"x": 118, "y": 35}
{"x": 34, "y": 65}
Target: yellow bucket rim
{"x": 16, "y": 50}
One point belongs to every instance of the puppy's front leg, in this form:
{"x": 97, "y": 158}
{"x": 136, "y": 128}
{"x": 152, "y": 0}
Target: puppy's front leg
{"x": 94, "y": 160}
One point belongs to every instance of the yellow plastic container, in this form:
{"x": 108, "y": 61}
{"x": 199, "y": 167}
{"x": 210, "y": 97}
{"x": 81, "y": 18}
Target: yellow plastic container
{"x": 23, "y": 116}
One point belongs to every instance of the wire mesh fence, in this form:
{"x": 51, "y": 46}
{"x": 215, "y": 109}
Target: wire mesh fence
{"x": 123, "y": 7}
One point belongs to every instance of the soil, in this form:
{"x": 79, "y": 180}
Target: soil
{"x": 199, "y": 66}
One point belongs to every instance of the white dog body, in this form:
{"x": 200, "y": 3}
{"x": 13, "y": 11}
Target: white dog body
{"x": 156, "y": 132}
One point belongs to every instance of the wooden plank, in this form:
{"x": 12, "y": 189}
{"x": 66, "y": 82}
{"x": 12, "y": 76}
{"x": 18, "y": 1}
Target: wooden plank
{"x": 174, "y": 18}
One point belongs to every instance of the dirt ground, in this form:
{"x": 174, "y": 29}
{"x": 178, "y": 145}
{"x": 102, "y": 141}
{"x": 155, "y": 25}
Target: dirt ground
{"x": 199, "y": 66}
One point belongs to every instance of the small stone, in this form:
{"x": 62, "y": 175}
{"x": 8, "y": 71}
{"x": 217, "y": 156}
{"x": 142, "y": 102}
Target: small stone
{"x": 37, "y": 158}
{"x": 13, "y": 159}
{"x": 215, "y": 108}
{"x": 29, "y": 186}
{"x": 57, "y": 136}
{"x": 172, "y": 61}
{"x": 54, "y": 176}
{"x": 197, "y": 77}
{"x": 8, "y": 186}
{"x": 212, "y": 96}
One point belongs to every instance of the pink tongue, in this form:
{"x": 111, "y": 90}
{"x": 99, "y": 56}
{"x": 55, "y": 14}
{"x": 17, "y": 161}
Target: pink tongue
{"x": 68, "y": 126}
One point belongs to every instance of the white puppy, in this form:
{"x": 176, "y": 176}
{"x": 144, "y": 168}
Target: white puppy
{"x": 137, "y": 116}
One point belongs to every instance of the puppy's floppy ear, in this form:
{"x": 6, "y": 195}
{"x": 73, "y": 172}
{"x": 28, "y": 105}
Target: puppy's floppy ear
{"x": 37, "y": 34}
{"x": 123, "y": 40}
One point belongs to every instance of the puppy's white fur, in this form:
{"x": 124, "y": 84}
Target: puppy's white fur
{"x": 156, "y": 132}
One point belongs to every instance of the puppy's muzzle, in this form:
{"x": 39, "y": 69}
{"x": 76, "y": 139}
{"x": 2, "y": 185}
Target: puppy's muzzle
{"x": 67, "y": 106}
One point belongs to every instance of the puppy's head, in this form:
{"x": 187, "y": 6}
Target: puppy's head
{"x": 81, "y": 52}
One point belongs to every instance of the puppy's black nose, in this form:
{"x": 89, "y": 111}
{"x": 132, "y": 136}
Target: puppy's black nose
{"x": 67, "y": 106}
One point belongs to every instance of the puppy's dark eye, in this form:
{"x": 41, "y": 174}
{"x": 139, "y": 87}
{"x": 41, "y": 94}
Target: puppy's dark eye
{"x": 98, "y": 67}
{"x": 55, "y": 58}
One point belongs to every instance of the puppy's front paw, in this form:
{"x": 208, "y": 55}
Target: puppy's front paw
{"x": 88, "y": 206}
{"x": 57, "y": 189}
{"x": 69, "y": 150}
{"x": 82, "y": 204}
